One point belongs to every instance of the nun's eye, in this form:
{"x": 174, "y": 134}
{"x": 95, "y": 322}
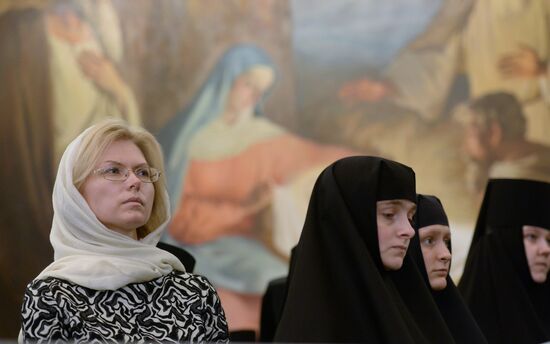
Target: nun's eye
{"x": 531, "y": 237}
{"x": 388, "y": 216}
{"x": 428, "y": 241}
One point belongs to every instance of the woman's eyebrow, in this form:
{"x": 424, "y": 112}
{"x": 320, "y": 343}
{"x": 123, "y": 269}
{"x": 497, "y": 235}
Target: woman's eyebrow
{"x": 398, "y": 203}
{"x": 141, "y": 164}
{"x": 427, "y": 230}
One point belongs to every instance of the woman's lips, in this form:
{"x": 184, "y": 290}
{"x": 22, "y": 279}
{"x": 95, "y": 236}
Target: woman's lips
{"x": 134, "y": 200}
{"x": 441, "y": 271}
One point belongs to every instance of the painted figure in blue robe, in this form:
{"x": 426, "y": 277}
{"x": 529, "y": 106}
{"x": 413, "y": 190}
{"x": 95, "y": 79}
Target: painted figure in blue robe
{"x": 239, "y": 183}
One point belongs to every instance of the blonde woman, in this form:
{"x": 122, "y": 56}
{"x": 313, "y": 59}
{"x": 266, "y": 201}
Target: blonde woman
{"x": 108, "y": 281}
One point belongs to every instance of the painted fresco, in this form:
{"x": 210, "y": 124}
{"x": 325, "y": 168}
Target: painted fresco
{"x": 251, "y": 99}
{"x": 239, "y": 183}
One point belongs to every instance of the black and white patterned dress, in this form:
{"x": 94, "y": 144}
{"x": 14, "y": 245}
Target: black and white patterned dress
{"x": 178, "y": 307}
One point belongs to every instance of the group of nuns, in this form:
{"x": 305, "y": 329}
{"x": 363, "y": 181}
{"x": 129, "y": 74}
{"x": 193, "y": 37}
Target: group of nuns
{"x": 366, "y": 271}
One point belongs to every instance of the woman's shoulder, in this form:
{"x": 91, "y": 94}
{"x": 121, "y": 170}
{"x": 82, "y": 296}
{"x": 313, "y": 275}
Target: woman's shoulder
{"x": 46, "y": 294}
{"x": 190, "y": 280}
{"x": 187, "y": 283}
{"x": 50, "y": 285}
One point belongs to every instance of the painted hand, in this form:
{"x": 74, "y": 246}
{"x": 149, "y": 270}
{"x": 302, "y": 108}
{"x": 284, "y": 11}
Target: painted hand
{"x": 524, "y": 63}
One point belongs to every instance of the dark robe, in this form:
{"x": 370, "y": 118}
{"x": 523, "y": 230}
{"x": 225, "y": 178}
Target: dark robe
{"x": 273, "y": 302}
{"x": 496, "y": 284}
{"x": 456, "y": 314}
{"x": 272, "y": 308}
{"x": 338, "y": 290}
{"x": 184, "y": 257}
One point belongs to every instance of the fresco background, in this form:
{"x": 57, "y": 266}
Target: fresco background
{"x": 159, "y": 53}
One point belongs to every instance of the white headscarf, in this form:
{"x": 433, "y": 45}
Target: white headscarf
{"x": 89, "y": 254}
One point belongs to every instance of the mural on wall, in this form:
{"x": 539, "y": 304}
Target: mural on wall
{"x": 233, "y": 177}
{"x": 251, "y": 99}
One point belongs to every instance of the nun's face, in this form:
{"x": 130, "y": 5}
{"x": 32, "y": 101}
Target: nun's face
{"x": 537, "y": 249}
{"x": 394, "y": 230}
{"x": 435, "y": 241}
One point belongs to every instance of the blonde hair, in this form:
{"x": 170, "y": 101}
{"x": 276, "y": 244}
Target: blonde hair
{"x": 99, "y": 137}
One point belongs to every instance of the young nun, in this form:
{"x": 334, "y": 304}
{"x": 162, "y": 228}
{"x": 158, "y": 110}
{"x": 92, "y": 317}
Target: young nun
{"x": 353, "y": 244}
{"x": 505, "y": 281}
{"x": 431, "y": 250}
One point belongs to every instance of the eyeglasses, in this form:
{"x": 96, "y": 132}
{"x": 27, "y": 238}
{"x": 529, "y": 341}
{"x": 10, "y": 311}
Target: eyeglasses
{"x": 120, "y": 173}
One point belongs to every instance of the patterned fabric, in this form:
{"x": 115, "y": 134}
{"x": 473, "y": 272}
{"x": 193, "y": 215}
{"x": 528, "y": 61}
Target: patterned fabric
{"x": 173, "y": 308}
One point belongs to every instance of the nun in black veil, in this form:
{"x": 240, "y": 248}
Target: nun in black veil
{"x": 431, "y": 250}
{"x": 342, "y": 287}
{"x": 505, "y": 281}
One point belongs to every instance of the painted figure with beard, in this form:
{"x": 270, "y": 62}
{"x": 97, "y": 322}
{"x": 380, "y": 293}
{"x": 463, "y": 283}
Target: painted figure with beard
{"x": 501, "y": 45}
{"x": 495, "y": 142}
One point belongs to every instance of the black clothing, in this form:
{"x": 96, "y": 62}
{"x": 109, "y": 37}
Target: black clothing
{"x": 185, "y": 257}
{"x": 338, "y": 289}
{"x": 456, "y": 314}
{"x": 273, "y": 302}
{"x": 272, "y": 308}
{"x": 496, "y": 284}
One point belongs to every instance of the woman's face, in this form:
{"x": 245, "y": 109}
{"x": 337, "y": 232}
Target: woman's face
{"x": 394, "y": 230}
{"x": 122, "y": 206}
{"x": 537, "y": 249}
{"x": 435, "y": 241}
{"x": 246, "y": 91}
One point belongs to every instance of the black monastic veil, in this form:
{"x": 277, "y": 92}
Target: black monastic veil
{"x": 451, "y": 305}
{"x": 496, "y": 284}
{"x": 339, "y": 290}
